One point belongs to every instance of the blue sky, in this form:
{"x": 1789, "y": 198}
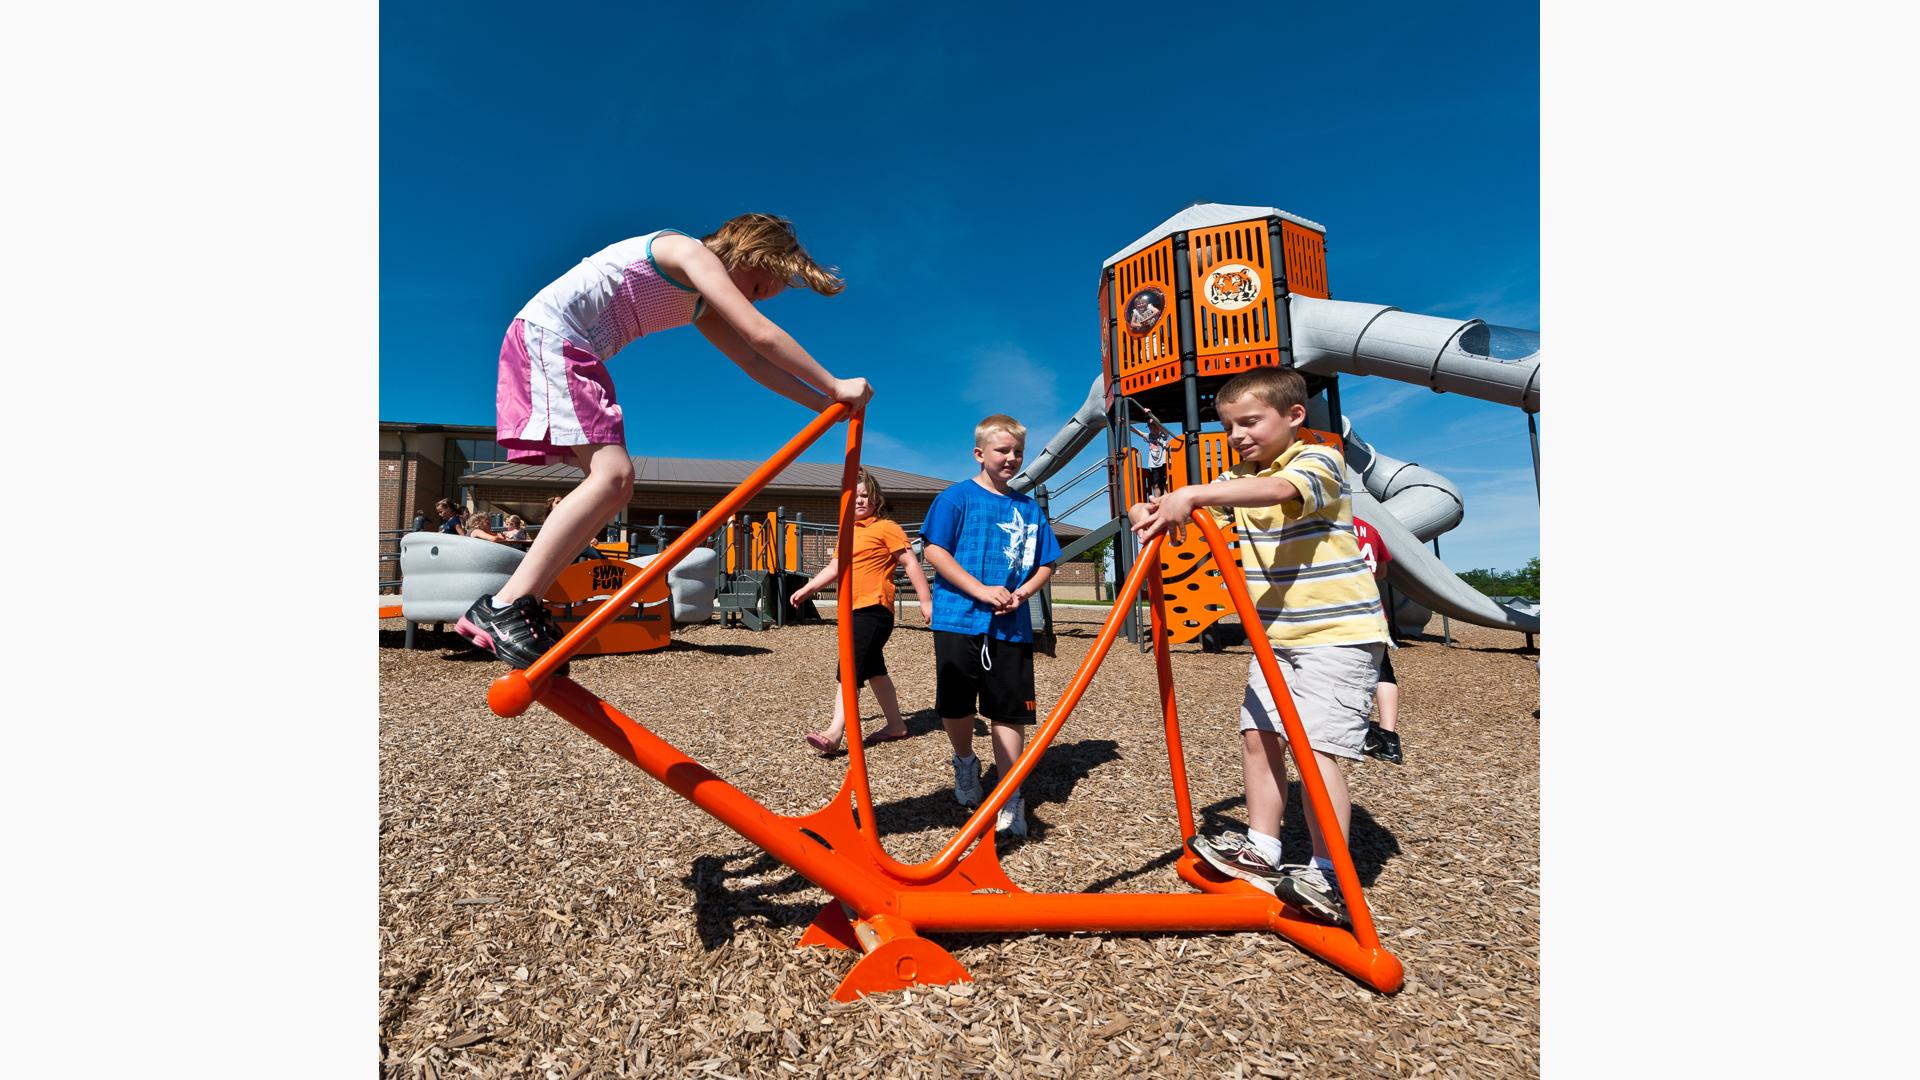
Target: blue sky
{"x": 968, "y": 170}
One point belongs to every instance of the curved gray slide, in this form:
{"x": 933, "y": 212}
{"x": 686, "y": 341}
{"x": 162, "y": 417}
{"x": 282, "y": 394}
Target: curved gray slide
{"x": 1066, "y": 444}
{"x": 1456, "y": 356}
{"x": 1422, "y": 500}
{"x": 1420, "y": 576}
{"x": 1411, "y": 505}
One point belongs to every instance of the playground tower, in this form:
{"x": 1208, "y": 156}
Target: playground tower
{"x": 1197, "y": 300}
{"x": 1216, "y": 290}
{"x": 1188, "y": 306}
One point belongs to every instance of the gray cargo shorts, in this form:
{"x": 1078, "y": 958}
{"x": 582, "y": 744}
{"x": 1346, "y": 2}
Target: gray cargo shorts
{"x": 1332, "y": 688}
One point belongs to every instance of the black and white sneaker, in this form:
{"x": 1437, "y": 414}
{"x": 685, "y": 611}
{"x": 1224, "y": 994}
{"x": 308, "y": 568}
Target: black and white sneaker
{"x": 1382, "y": 744}
{"x": 1234, "y": 855}
{"x": 1308, "y": 889}
{"x": 519, "y": 633}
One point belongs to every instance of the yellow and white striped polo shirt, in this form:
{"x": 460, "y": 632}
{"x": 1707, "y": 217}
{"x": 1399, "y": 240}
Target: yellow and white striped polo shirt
{"x": 1303, "y": 565}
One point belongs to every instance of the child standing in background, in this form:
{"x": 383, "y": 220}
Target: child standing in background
{"x": 993, "y": 550}
{"x": 879, "y": 545}
{"x": 1383, "y": 738}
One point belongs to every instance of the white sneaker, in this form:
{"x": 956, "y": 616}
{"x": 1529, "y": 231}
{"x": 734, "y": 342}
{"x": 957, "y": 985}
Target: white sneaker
{"x": 1308, "y": 888}
{"x": 1013, "y": 817}
{"x": 966, "y": 781}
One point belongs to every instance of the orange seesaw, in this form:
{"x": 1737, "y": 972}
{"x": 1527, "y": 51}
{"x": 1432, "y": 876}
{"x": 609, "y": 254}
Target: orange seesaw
{"x": 882, "y": 905}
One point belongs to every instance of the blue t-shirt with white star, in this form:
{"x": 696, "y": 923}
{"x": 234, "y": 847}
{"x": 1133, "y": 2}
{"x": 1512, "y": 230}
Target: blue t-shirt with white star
{"x": 999, "y": 539}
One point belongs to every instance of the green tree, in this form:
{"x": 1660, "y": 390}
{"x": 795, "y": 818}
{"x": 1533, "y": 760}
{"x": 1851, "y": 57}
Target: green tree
{"x": 1099, "y": 553}
{"x": 1524, "y": 582}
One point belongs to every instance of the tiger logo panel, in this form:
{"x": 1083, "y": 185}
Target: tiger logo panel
{"x": 1233, "y": 286}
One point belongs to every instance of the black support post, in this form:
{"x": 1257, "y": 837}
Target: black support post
{"x": 1189, "y": 367}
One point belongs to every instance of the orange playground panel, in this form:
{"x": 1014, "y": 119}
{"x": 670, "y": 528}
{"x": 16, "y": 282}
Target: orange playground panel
{"x": 881, "y": 905}
{"x": 645, "y": 621}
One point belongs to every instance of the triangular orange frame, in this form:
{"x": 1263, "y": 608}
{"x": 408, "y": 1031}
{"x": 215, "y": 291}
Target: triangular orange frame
{"x": 882, "y": 906}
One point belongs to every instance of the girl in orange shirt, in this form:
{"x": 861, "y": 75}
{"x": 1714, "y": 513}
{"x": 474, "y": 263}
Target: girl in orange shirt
{"x": 879, "y": 545}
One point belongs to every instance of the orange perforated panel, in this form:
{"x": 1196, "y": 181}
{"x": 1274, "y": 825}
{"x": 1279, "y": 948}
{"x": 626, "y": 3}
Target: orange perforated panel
{"x": 1235, "y": 363}
{"x": 1323, "y": 438}
{"x": 1215, "y": 457}
{"x": 1196, "y": 598}
{"x": 1306, "y": 254}
{"x": 1233, "y": 291}
{"x": 1147, "y": 341}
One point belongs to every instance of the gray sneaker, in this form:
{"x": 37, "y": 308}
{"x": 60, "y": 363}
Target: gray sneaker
{"x": 966, "y": 781}
{"x": 1013, "y": 817}
{"x": 1233, "y": 855}
{"x": 1307, "y": 888}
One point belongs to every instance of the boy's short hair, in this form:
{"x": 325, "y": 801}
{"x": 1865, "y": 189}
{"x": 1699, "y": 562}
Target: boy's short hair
{"x": 1280, "y": 387}
{"x": 768, "y": 242}
{"x": 999, "y": 422}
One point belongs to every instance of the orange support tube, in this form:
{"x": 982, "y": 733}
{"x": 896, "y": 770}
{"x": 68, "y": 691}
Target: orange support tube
{"x": 1163, "y": 669}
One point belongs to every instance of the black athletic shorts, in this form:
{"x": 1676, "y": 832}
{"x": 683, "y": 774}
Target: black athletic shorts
{"x": 1002, "y": 684}
{"x": 872, "y": 626}
{"x": 1386, "y": 667}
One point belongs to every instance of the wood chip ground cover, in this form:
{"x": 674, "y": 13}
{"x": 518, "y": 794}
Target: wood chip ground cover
{"x": 548, "y": 910}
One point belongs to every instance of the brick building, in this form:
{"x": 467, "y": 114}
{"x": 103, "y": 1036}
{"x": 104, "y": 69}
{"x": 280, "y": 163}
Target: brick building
{"x": 421, "y": 463}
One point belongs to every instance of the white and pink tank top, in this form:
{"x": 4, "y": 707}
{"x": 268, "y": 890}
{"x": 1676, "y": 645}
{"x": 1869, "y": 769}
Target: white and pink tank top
{"x": 613, "y": 296}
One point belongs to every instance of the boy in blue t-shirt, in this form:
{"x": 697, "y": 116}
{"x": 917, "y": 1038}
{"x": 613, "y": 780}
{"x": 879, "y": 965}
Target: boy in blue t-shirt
{"x": 993, "y": 550}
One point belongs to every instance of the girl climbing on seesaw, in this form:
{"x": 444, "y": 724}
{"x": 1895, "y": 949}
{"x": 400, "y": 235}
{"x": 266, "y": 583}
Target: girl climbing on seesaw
{"x": 555, "y": 399}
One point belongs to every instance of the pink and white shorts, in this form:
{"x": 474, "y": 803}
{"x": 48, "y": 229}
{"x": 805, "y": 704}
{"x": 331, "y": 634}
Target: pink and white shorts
{"x": 553, "y": 396}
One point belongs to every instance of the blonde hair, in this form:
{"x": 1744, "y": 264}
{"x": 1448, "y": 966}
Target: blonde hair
{"x": 1280, "y": 387}
{"x": 768, "y": 242}
{"x": 999, "y": 422}
{"x": 876, "y": 498}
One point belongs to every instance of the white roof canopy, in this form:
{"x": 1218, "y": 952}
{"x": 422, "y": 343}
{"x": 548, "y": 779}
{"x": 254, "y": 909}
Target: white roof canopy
{"x": 1203, "y": 215}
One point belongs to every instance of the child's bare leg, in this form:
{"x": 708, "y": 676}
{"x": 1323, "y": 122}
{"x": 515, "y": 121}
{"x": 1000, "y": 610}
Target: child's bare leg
{"x": 607, "y": 488}
{"x": 1263, "y": 763}
{"x": 889, "y": 705}
{"x": 1335, "y": 778}
{"x": 1008, "y": 739}
{"x": 960, "y": 734}
{"x": 838, "y": 728}
{"x": 1388, "y": 695}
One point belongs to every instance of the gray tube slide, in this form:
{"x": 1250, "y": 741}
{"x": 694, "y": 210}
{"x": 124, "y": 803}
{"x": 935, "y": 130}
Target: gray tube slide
{"x": 1422, "y": 500}
{"x": 1072, "y": 438}
{"x": 1459, "y": 356}
{"x": 1417, "y": 574}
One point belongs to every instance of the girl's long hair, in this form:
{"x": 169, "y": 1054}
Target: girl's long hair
{"x": 768, "y": 242}
{"x": 876, "y": 498}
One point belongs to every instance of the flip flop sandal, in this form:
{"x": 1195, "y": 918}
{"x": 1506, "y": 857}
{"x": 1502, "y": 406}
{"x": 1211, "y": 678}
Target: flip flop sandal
{"x": 879, "y": 737}
{"x": 821, "y": 746}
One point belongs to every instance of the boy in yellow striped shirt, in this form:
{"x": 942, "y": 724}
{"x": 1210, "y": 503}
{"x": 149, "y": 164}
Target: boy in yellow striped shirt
{"x": 1290, "y": 501}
